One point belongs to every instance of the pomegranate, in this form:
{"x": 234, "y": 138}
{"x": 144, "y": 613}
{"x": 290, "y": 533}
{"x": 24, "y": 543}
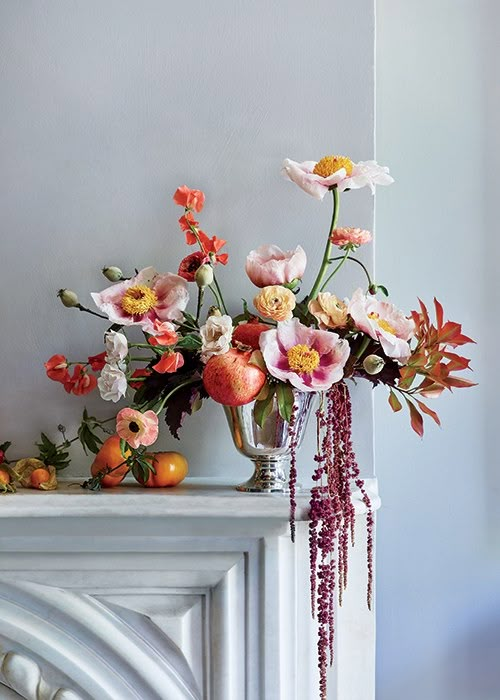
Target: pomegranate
{"x": 248, "y": 333}
{"x": 231, "y": 380}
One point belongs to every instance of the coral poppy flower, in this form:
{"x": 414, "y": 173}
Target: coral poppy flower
{"x": 165, "y": 334}
{"x": 382, "y": 321}
{"x": 170, "y": 362}
{"x": 57, "y": 368}
{"x": 189, "y": 199}
{"x": 141, "y": 300}
{"x": 316, "y": 178}
{"x": 309, "y": 359}
{"x": 269, "y": 265}
{"x": 136, "y": 374}
{"x": 81, "y": 382}
{"x": 137, "y": 428}
{"x": 97, "y": 362}
{"x": 190, "y": 264}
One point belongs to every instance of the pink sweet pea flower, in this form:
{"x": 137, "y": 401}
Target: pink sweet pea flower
{"x": 352, "y": 237}
{"x": 269, "y": 265}
{"x": 316, "y": 178}
{"x": 170, "y": 362}
{"x": 309, "y": 359}
{"x": 137, "y": 428}
{"x": 382, "y": 321}
{"x": 144, "y": 299}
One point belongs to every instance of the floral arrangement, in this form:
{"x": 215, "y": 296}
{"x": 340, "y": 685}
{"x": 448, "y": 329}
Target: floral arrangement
{"x": 290, "y": 342}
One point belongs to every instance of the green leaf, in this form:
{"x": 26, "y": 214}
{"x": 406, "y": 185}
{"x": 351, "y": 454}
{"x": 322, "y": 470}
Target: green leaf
{"x": 189, "y": 342}
{"x": 263, "y": 408}
{"x": 284, "y": 394}
{"x": 5, "y": 446}
{"x": 383, "y": 289}
{"x": 394, "y": 402}
{"x": 123, "y": 447}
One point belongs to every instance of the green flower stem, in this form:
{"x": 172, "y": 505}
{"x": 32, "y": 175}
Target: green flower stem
{"x": 141, "y": 359}
{"x": 328, "y": 249}
{"x": 364, "y": 344}
{"x": 224, "y": 308}
{"x": 216, "y": 295}
{"x": 342, "y": 259}
{"x": 80, "y": 307}
{"x": 140, "y": 345}
{"x": 201, "y": 294}
{"x": 370, "y": 283}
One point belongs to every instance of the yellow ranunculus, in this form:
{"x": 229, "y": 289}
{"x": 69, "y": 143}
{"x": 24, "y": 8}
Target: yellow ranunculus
{"x": 275, "y": 302}
{"x": 330, "y": 311}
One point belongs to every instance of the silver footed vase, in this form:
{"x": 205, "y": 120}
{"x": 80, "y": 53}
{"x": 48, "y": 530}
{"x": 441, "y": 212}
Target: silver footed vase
{"x": 268, "y": 447}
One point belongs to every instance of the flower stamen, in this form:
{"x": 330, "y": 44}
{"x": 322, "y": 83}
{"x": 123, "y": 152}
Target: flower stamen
{"x": 382, "y": 323}
{"x": 303, "y": 359}
{"x": 330, "y": 164}
{"x": 138, "y": 300}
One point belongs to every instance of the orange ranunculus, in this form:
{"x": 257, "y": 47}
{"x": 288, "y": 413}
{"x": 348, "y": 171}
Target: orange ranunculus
{"x": 189, "y": 199}
{"x": 169, "y": 363}
{"x": 97, "y": 362}
{"x": 275, "y": 302}
{"x": 144, "y": 372}
{"x": 57, "y": 368}
{"x": 81, "y": 382}
{"x": 165, "y": 334}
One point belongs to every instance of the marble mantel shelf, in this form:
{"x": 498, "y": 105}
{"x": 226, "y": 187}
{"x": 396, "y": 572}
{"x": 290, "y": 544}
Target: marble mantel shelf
{"x": 196, "y": 498}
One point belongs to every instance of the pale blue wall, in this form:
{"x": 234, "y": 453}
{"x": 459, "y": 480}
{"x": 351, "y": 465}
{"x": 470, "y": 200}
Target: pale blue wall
{"x": 437, "y": 234}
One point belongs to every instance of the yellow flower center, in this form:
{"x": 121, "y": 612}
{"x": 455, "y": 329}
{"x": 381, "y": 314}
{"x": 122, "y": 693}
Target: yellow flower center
{"x": 330, "y": 164}
{"x": 303, "y": 359}
{"x": 384, "y": 325}
{"x": 138, "y": 300}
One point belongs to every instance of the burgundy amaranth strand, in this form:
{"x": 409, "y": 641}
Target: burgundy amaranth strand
{"x": 294, "y": 438}
{"x": 332, "y": 519}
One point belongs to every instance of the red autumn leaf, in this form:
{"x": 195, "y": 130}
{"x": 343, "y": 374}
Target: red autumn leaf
{"x": 394, "y": 402}
{"x": 416, "y": 420}
{"x": 428, "y": 411}
{"x": 439, "y": 313}
{"x": 425, "y": 313}
{"x": 459, "y": 383}
{"x": 449, "y": 332}
{"x": 430, "y": 389}
{"x": 456, "y": 362}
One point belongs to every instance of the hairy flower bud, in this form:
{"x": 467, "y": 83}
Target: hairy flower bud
{"x": 214, "y": 311}
{"x": 373, "y": 364}
{"x": 113, "y": 274}
{"x": 68, "y": 298}
{"x": 204, "y": 276}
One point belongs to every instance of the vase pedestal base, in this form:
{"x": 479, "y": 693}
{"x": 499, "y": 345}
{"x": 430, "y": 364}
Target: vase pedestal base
{"x": 270, "y": 476}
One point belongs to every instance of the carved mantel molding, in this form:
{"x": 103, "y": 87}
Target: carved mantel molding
{"x": 140, "y": 595}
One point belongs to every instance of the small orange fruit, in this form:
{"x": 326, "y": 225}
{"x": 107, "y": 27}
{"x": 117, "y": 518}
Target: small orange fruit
{"x": 4, "y": 477}
{"x": 171, "y": 468}
{"x": 38, "y": 477}
{"x": 110, "y": 456}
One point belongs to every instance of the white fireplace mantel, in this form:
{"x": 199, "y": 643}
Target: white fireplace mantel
{"x": 178, "y": 594}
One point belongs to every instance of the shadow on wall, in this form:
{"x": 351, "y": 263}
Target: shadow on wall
{"x": 471, "y": 670}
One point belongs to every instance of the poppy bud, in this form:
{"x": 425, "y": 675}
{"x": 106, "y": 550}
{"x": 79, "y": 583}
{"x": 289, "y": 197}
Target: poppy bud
{"x": 68, "y": 298}
{"x": 373, "y": 364}
{"x": 204, "y": 276}
{"x": 214, "y": 311}
{"x": 113, "y": 274}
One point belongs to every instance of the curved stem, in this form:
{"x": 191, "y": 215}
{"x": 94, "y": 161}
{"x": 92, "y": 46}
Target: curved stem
{"x": 370, "y": 283}
{"x": 342, "y": 259}
{"x": 201, "y": 294}
{"x": 220, "y": 294}
{"x": 80, "y": 307}
{"x": 179, "y": 386}
{"x": 328, "y": 249}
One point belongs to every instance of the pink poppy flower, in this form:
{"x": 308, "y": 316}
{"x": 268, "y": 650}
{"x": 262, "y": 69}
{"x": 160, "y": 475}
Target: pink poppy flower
{"x": 350, "y": 237}
{"x": 316, "y": 178}
{"x": 382, "y": 321}
{"x": 311, "y": 360}
{"x": 269, "y": 265}
{"x": 144, "y": 299}
{"x": 137, "y": 428}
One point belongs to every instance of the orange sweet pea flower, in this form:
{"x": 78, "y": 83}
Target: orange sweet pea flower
{"x": 187, "y": 222}
{"x": 170, "y": 362}
{"x": 211, "y": 247}
{"x": 144, "y": 372}
{"x": 165, "y": 334}
{"x": 81, "y": 382}
{"x": 189, "y": 199}
{"x": 57, "y": 368}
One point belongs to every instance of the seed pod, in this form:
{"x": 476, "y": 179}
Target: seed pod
{"x": 113, "y": 274}
{"x": 68, "y": 298}
{"x": 373, "y": 364}
{"x": 204, "y": 276}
